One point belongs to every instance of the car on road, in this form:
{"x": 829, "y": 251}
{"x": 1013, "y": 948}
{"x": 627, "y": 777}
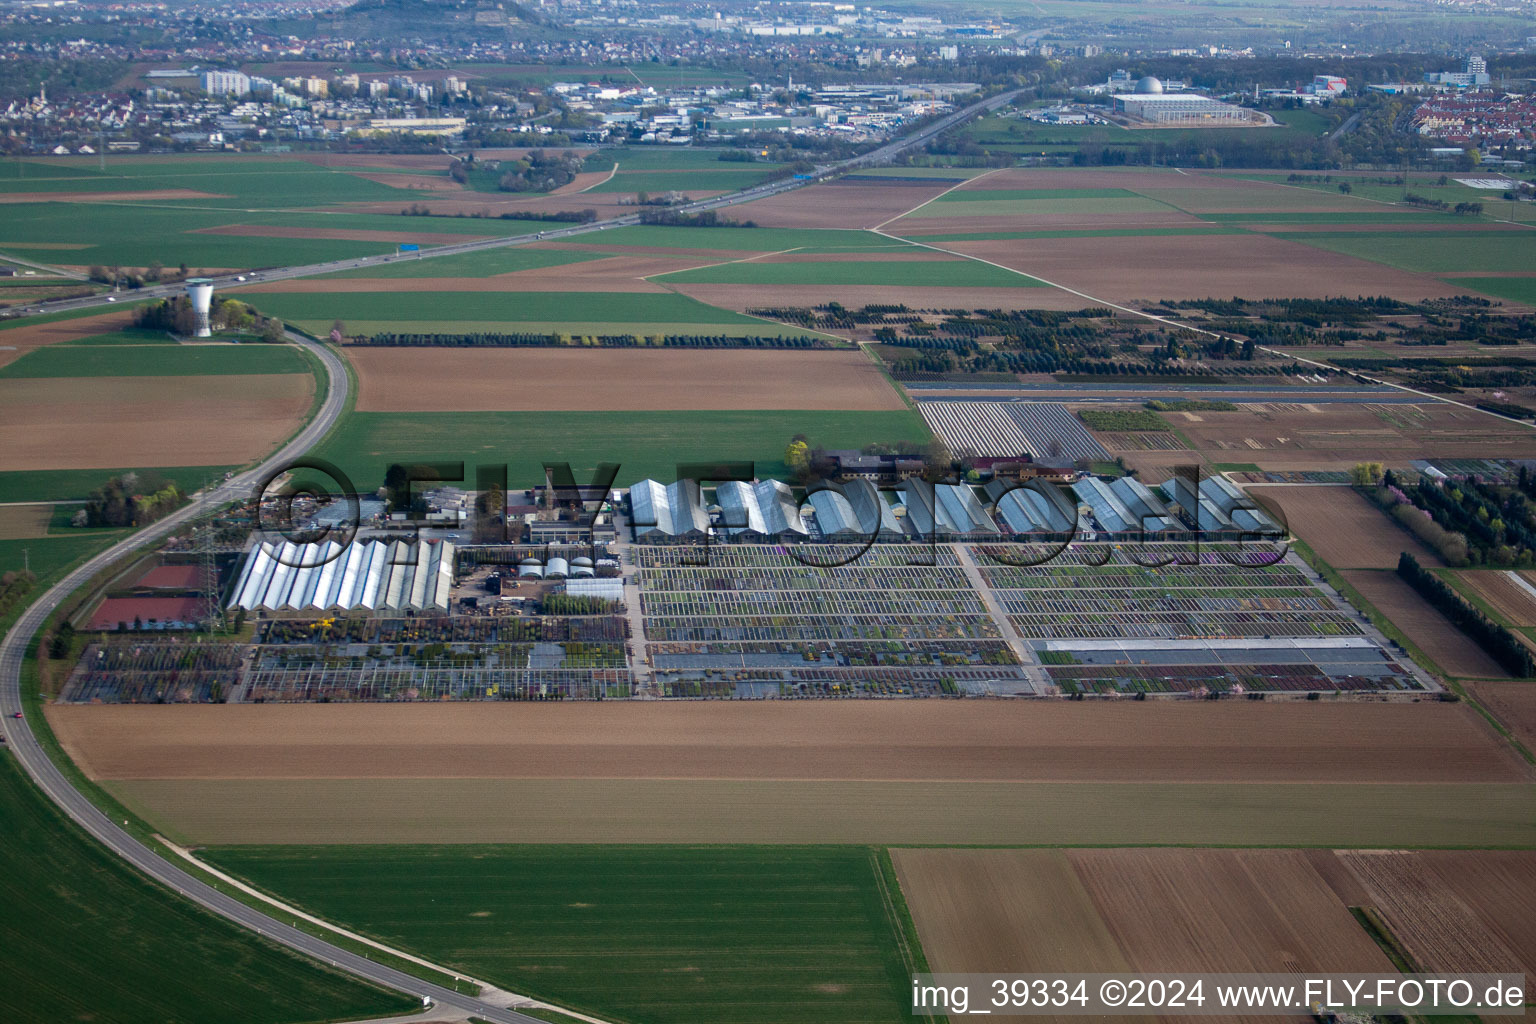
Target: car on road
{"x": 111, "y": 298}
{"x": 16, "y": 714}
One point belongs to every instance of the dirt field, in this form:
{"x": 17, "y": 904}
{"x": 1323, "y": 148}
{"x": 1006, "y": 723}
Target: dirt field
{"x": 841, "y": 204}
{"x": 1148, "y": 268}
{"x": 18, "y": 341}
{"x": 1344, "y": 529}
{"x": 23, "y": 522}
{"x": 1512, "y": 703}
{"x": 196, "y": 811}
{"x": 453, "y": 379}
{"x": 404, "y": 179}
{"x": 1499, "y": 886}
{"x": 1429, "y": 916}
{"x": 277, "y": 231}
{"x": 85, "y": 423}
{"x": 1504, "y": 595}
{"x": 1450, "y": 648}
{"x": 864, "y": 741}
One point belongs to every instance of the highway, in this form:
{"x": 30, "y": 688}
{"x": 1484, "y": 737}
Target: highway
{"x": 226, "y": 281}
{"x": 29, "y": 754}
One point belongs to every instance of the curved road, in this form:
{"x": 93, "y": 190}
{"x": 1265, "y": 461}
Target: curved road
{"x": 35, "y": 761}
{"x": 31, "y": 756}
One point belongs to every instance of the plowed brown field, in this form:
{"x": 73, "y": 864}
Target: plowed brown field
{"x": 1026, "y": 742}
{"x": 1512, "y": 703}
{"x": 1507, "y": 597}
{"x": 844, "y": 204}
{"x": 487, "y": 379}
{"x": 743, "y": 296}
{"x": 1450, "y": 648}
{"x": 91, "y": 422}
{"x": 1425, "y": 910}
{"x": 1344, "y": 529}
{"x": 18, "y": 341}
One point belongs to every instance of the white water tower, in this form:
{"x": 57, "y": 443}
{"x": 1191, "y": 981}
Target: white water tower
{"x": 200, "y": 289}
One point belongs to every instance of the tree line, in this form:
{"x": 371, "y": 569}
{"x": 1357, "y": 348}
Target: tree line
{"x": 132, "y": 499}
{"x": 1502, "y": 646}
{"x": 488, "y": 339}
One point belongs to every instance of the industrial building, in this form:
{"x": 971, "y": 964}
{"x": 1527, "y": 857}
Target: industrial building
{"x": 946, "y": 510}
{"x": 670, "y": 511}
{"x": 375, "y": 575}
{"x": 755, "y": 512}
{"x": 1150, "y": 103}
{"x": 854, "y": 513}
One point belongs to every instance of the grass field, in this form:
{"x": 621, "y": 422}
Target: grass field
{"x": 83, "y": 934}
{"x": 645, "y": 444}
{"x": 655, "y": 934}
{"x": 123, "y": 360}
{"x": 383, "y": 811}
{"x": 483, "y": 263}
{"x": 1436, "y": 252}
{"x": 626, "y": 312}
{"x": 914, "y": 274}
{"x": 1516, "y": 289}
{"x": 49, "y": 558}
{"x": 126, "y": 336}
{"x": 67, "y": 484}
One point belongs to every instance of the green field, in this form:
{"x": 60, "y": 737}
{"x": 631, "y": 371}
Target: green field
{"x": 481, "y": 263}
{"x": 127, "y": 336}
{"x": 505, "y": 307}
{"x": 84, "y": 938}
{"x": 70, "y": 484}
{"x": 659, "y": 934}
{"x": 49, "y": 559}
{"x": 1432, "y": 252}
{"x": 1515, "y": 289}
{"x": 124, "y": 360}
{"x": 912, "y": 274}
{"x": 645, "y": 444}
{"x": 233, "y": 181}
{"x": 748, "y": 239}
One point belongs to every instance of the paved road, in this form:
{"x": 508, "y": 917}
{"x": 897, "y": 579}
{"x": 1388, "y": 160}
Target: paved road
{"x": 31, "y": 757}
{"x": 873, "y": 158}
{"x": 29, "y": 753}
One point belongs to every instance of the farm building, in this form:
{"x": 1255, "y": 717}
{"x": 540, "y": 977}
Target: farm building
{"x": 1147, "y": 507}
{"x": 945, "y": 509}
{"x": 375, "y": 575}
{"x": 1207, "y": 515}
{"x": 1237, "y": 505}
{"x": 754, "y": 512}
{"x": 658, "y": 511}
{"x": 603, "y": 589}
{"x": 851, "y": 514}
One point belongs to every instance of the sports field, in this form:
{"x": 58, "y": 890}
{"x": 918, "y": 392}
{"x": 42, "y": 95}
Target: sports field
{"x": 657, "y": 934}
{"x": 84, "y": 933}
{"x": 645, "y": 444}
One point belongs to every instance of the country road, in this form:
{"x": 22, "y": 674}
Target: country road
{"x": 30, "y": 754}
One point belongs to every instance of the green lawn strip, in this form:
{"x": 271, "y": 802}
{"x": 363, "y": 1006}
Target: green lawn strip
{"x": 1515, "y": 289}
{"x": 82, "y": 932}
{"x": 651, "y": 933}
{"x": 450, "y": 308}
{"x": 912, "y": 274}
{"x": 77, "y": 484}
{"x": 645, "y": 444}
{"x": 155, "y": 361}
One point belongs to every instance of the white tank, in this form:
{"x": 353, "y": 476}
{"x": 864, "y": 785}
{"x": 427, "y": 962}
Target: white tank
{"x": 200, "y": 289}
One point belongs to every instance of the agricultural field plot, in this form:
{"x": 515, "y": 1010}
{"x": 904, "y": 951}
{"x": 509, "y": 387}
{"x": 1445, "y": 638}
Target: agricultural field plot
{"x": 1509, "y": 594}
{"x": 1454, "y": 911}
{"x": 1343, "y": 528}
{"x": 21, "y": 337}
{"x": 936, "y": 273}
{"x": 751, "y": 240}
{"x": 433, "y": 380}
{"x": 60, "y": 423}
{"x": 1512, "y": 703}
{"x": 19, "y": 522}
{"x": 536, "y": 312}
{"x": 1010, "y": 428}
{"x": 123, "y": 942}
{"x": 853, "y": 201}
{"x": 485, "y": 263}
{"x": 1514, "y": 289}
{"x": 197, "y": 812}
{"x": 124, "y": 360}
{"x": 664, "y": 934}
{"x": 1448, "y": 646}
{"x": 1054, "y": 741}
{"x": 756, "y": 623}
{"x": 1460, "y": 253}
{"x": 77, "y": 484}
{"x": 645, "y": 444}
{"x": 1131, "y": 910}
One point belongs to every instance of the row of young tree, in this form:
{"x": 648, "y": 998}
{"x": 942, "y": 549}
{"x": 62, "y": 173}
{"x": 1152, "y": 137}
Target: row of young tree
{"x": 1512, "y": 655}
